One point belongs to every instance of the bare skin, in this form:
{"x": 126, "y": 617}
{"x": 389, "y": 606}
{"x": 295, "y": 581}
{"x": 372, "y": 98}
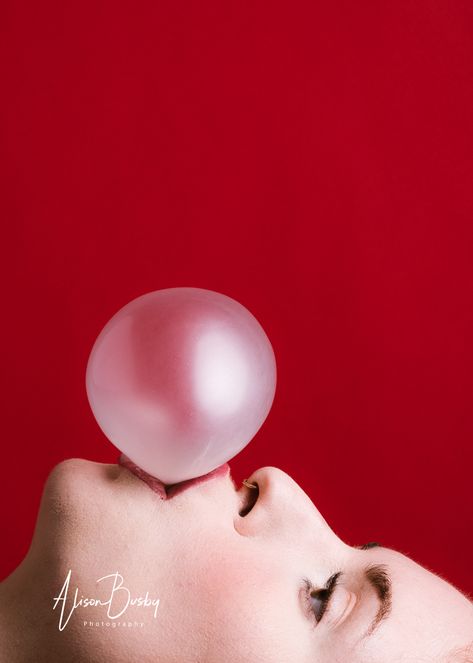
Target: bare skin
{"x": 231, "y": 587}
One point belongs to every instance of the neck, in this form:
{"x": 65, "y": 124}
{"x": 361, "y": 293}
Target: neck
{"x": 12, "y": 639}
{"x": 25, "y": 616}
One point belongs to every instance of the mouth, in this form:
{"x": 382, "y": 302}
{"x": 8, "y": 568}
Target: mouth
{"x": 164, "y": 491}
{"x": 177, "y": 488}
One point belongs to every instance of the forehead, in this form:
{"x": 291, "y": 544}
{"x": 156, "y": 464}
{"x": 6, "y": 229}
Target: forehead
{"x": 428, "y": 615}
{"x": 409, "y": 574}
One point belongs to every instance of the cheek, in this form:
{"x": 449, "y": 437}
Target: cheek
{"x": 231, "y": 568}
{"x": 245, "y": 603}
{"x": 216, "y": 577}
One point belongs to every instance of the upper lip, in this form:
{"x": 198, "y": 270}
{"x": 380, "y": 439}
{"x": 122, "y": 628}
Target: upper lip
{"x": 182, "y": 485}
{"x": 167, "y": 491}
{"x": 247, "y": 497}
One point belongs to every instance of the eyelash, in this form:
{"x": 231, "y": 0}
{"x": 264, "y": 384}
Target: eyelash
{"x": 324, "y": 595}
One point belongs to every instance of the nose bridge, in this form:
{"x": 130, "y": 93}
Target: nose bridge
{"x": 283, "y": 511}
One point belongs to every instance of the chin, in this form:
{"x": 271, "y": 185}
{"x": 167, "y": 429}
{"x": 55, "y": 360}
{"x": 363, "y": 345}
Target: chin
{"x": 77, "y": 501}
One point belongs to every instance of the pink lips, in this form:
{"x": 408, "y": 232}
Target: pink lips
{"x": 222, "y": 470}
{"x": 153, "y": 483}
{"x": 166, "y": 492}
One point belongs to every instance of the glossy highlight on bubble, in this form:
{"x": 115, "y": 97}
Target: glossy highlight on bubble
{"x": 180, "y": 380}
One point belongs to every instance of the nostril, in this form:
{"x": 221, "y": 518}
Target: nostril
{"x": 250, "y": 497}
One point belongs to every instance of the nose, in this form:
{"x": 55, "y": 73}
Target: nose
{"x": 282, "y": 510}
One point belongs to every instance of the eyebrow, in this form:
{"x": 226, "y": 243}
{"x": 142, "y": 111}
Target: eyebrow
{"x": 378, "y": 577}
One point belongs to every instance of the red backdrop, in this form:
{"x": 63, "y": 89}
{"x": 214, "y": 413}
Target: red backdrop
{"x": 311, "y": 160}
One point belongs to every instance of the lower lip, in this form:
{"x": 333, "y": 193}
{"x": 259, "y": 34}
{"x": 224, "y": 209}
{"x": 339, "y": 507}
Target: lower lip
{"x": 166, "y": 492}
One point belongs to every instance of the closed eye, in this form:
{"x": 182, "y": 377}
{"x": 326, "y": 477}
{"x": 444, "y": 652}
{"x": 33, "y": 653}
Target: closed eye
{"x": 318, "y": 599}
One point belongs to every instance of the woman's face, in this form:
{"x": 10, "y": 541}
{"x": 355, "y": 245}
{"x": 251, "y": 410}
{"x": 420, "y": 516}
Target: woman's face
{"x": 231, "y": 587}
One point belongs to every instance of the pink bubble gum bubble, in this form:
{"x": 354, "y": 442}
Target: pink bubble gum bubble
{"x": 180, "y": 380}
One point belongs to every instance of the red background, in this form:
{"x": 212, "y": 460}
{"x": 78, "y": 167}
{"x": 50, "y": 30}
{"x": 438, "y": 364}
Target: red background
{"x": 311, "y": 160}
